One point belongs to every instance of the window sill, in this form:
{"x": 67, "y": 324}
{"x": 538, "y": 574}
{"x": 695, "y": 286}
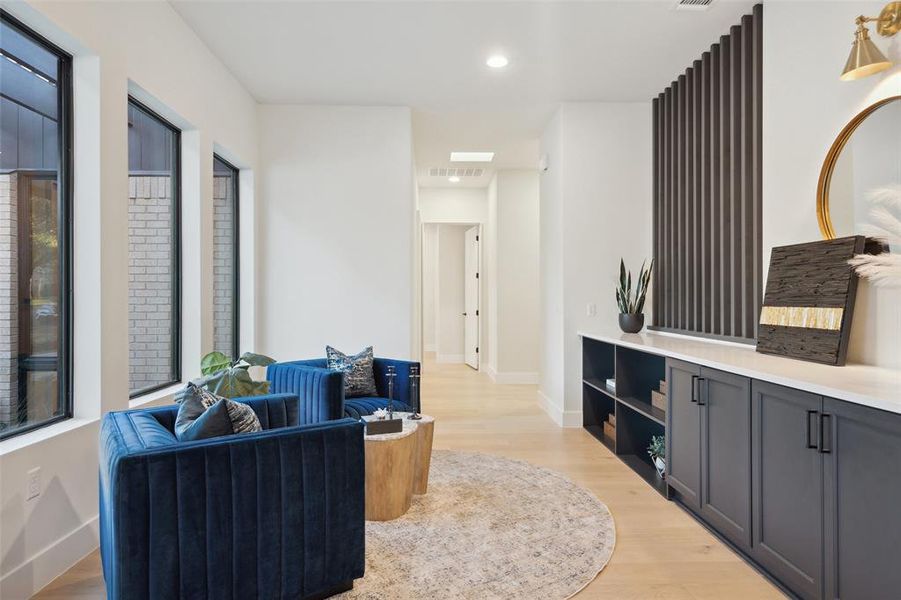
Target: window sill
{"x": 43, "y": 434}
{"x": 167, "y": 393}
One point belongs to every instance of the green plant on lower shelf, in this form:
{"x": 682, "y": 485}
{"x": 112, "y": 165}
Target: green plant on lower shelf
{"x": 230, "y": 378}
{"x": 629, "y": 304}
{"x": 657, "y": 449}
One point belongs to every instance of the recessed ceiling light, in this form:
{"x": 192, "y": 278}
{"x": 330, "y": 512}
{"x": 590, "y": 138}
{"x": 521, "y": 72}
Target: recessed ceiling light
{"x": 498, "y": 61}
{"x": 454, "y": 179}
{"x": 472, "y": 156}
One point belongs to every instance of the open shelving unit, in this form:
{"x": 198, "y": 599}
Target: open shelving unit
{"x": 637, "y": 420}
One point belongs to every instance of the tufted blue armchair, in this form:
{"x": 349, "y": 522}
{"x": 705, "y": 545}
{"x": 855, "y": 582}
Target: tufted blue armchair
{"x": 321, "y": 391}
{"x": 273, "y": 514}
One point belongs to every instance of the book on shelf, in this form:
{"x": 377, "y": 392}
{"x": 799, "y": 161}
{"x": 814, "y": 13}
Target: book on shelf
{"x": 663, "y": 386}
{"x": 609, "y": 431}
{"x": 611, "y": 384}
{"x": 658, "y": 400}
{"x": 611, "y": 418}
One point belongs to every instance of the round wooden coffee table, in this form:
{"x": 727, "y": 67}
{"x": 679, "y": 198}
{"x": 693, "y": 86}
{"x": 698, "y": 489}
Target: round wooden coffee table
{"x": 397, "y": 466}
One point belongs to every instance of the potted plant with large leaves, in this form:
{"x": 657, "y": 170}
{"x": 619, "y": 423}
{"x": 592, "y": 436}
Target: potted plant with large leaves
{"x": 631, "y": 317}
{"x": 231, "y": 378}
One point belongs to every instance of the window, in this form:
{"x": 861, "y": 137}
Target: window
{"x": 35, "y": 235}
{"x": 154, "y": 268}
{"x": 225, "y": 257}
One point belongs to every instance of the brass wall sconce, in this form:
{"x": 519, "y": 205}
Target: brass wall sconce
{"x": 865, "y": 58}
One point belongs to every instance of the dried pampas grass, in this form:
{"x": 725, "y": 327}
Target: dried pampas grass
{"x": 885, "y": 226}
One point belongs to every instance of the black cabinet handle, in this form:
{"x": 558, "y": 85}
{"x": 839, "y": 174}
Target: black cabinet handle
{"x": 702, "y": 391}
{"x": 694, "y": 388}
{"x": 812, "y": 444}
{"x": 824, "y": 428}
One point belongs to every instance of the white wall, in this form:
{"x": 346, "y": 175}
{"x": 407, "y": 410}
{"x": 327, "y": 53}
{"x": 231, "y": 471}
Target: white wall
{"x": 429, "y": 285}
{"x": 450, "y": 298}
{"x": 550, "y": 269}
{"x": 595, "y": 208}
{"x": 514, "y": 298}
{"x": 337, "y": 240}
{"x": 453, "y": 205}
{"x": 117, "y": 49}
{"x": 804, "y": 110}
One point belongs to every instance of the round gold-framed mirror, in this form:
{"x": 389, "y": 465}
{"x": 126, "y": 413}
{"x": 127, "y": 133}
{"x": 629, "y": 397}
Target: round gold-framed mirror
{"x": 866, "y": 154}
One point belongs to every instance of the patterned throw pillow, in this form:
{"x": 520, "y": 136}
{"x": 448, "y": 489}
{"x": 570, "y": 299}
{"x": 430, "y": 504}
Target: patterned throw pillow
{"x": 202, "y": 414}
{"x": 359, "y": 378}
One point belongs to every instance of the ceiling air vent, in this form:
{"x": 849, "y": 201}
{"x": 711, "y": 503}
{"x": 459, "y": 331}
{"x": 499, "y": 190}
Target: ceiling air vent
{"x": 455, "y": 172}
{"x": 693, "y": 4}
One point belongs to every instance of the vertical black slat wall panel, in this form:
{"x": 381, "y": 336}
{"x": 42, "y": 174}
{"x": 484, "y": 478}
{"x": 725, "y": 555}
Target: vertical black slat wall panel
{"x": 716, "y": 256}
{"x": 655, "y": 206}
{"x": 697, "y": 102}
{"x": 736, "y": 241}
{"x": 757, "y": 158}
{"x": 673, "y": 291}
{"x": 747, "y": 193}
{"x": 725, "y": 199}
{"x": 662, "y": 267}
{"x": 687, "y": 232}
{"x": 678, "y": 200}
{"x": 707, "y": 190}
{"x": 704, "y": 162}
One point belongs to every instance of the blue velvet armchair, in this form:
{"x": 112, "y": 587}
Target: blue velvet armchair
{"x": 321, "y": 391}
{"x": 273, "y": 514}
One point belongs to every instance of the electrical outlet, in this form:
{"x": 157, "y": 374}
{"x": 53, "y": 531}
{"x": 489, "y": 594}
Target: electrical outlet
{"x": 592, "y": 309}
{"x": 34, "y": 484}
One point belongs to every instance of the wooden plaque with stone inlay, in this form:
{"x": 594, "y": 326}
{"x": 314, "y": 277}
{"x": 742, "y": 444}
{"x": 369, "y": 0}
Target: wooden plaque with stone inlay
{"x": 809, "y": 300}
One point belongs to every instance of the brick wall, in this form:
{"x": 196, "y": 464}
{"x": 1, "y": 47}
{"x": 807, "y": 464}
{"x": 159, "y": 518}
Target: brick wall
{"x": 150, "y": 245}
{"x": 223, "y": 264}
{"x": 9, "y": 298}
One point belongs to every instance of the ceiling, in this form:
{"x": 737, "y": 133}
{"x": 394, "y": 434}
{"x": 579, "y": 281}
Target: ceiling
{"x": 430, "y": 55}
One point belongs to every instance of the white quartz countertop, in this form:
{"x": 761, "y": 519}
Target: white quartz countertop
{"x": 861, "y": 384}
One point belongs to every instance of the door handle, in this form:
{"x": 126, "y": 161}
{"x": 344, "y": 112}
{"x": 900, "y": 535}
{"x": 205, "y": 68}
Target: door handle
{"x": 694, "y": 388}
{"x": 824, "y": 427}
{"x": 813, "y": 445}
{"x": 702, "y": 391}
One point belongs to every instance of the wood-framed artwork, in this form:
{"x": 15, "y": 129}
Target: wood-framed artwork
{"x": 809, "y": 300}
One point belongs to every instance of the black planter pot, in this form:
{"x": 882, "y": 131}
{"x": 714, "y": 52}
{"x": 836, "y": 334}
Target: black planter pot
{"x": 630, "y": 322}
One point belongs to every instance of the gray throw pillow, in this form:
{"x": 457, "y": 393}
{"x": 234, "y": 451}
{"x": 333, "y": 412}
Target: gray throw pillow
{"x": 202, "y": 414}
{"x": 359, "y": 378}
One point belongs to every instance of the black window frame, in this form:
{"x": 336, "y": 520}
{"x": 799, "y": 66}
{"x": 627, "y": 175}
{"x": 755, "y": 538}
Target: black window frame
{"x": 176, "y": 252}
{"x": 236, "y": 254}
{"x": 64, "y": 191}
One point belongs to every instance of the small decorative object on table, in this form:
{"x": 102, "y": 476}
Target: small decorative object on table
{"x": 384, "y": 419}
{"x": 414, "y": 393}
{"x": 657, "y": 452}
{"x": 392, "y": 374}
{"x": 631, "y": 318}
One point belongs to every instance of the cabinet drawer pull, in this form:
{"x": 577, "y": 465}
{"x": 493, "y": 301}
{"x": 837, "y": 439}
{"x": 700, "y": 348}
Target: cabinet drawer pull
{"x": 812, "y": 444}
{"x": 702, "y": 391}
{"x": 824, "y": 428}
{"x": 694, "y": 388}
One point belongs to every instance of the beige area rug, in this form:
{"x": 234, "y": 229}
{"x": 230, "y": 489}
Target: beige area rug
{"x": 489, "y": 527}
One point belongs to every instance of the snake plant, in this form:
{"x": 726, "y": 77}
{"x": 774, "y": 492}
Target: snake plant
{"x": 629, "y": 304}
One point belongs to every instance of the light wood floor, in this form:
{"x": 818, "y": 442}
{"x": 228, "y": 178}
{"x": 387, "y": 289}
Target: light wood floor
{"x": 660, "y": 553}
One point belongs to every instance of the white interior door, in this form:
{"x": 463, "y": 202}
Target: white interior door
{"x": 471, "y": 298}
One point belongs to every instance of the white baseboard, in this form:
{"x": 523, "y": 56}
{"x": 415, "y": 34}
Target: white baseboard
{"x": 563, "y": 418}
{"x": 449, "y": 358}
{"x": 513, "y": 378}
{"x": 428, "y": 347}
{"x": 35, "y": 573}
